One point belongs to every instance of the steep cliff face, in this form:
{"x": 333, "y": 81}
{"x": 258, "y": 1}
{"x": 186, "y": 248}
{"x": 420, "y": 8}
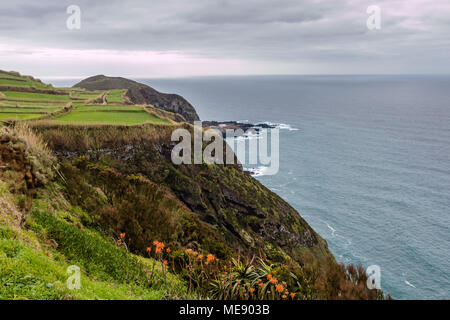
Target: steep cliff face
{"x": 219, "y": 208}
{"x": 139, "y": 93}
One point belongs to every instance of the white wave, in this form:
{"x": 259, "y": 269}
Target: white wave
{"x": 410, "y": 284}
{"x": 258, "y": 172}
{"x": 281, "y": 126}
{"x": 333, "y": 230}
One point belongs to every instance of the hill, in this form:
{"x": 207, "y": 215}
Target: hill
{"x": 88, "y": 181}
{"x": 139, "y": 93}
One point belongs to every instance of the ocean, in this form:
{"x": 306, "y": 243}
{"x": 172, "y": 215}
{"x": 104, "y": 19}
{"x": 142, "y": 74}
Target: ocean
{"x": 364, "y": 159}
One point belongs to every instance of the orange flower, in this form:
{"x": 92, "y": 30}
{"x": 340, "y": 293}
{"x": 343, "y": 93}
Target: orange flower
{"x": 155, "y": 243}
{"x": 188, "y": 251}
{"x": 200, "y": 257}
{"x": 122, "y": 235}
{"x": 273, "y": 280}
{"x": 261, "y": 285}
{"x": 168, "y": 250}
{"x": 149, "y": 249}
{"x": 158, "y": 250}
{"x": 279, "y": 288}
{"x": 160, "y": 245}
{"x": 165, "y": 262}
{"x": 210, "y": 258}
{"x": 259, "y": 280}
{"x": 284, "y": 296}
{"x": 251, "y": 290}
{"x": 292, "y": 295}
{"x": 269, "y": 276}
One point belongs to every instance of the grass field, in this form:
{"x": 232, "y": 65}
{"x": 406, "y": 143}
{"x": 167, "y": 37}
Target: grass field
{"x": 19, "y": 81}
{"x": 115, "y": 96}
{"x": 19, "y": 116}
{"x": 86, "y": 95}
{"x": 26, "y": 83}
{"x": 35, "y": 96}
{"x": 109, "y": 108}
{"x": 111, "y": 117}
{"x": 25, "y": 104}
{"x": 17, "y": 105}
{"x": 28, "y": 109}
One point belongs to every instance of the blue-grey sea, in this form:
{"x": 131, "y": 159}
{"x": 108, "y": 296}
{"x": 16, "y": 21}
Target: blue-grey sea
{"x": 364, "y": 159}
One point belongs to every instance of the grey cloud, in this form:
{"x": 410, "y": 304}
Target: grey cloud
{"x": 278, "y": 31}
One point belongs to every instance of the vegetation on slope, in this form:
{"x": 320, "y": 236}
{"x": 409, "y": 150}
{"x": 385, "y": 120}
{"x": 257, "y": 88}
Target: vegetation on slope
{"x": 230, "y": 237}
{"x": 41, "y": 235}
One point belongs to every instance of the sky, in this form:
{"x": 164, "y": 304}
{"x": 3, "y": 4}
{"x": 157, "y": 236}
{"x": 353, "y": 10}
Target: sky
{"x": 176, "y": 38}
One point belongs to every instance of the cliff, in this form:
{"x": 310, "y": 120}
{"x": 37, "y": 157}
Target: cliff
{"x": 139, "y": 93}
{"x": 229, "y": 210}
{"x": 74, "y": 192}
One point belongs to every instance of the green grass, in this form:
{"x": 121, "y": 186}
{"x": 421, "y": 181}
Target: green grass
{"x": 109, "y": 107}
{"x": 20, "y": 81}
{"x": 27, "y": 109}
{"x": 9, "y": 103}
{"x": 27, "y": 272}
{"x": 86, "y": 95}
{"x": 26, "y": 83}
{"x": 115, "y": 96}
{"x": 4, "y": 75}
{"x": 31, "y": 268}
{"x": 35, "y": 96}
{"x": 19, "y": 116}
{"x": 127, "y": 118}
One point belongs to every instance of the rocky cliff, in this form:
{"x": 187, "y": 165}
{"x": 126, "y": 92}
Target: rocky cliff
{"x": 139, "y": 93}
{"x": 218, "y": 208}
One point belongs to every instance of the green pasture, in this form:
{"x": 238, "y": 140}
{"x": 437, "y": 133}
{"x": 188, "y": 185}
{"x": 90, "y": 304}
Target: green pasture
{"x": 19, "y": 116}
{"x": 35, "y": 96}
{"x": 110, "y": 117}
{"x": 115, "y": 96}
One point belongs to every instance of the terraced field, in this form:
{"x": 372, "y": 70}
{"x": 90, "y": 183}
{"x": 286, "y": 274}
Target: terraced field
{"x": 109, "y": 117}
{"x": 32, "y": 96}
{"x": 108, "y": 108}
{"x": 115, "y": 96}
{"x": 18, "y": 116}
{"x": 25, "y": 98}
{"x": 14, "y": 80}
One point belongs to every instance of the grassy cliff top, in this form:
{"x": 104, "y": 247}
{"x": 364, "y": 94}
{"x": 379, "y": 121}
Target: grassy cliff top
{"x": 26, "y": 98}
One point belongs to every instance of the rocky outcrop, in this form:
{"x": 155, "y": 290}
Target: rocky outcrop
{"x": 139, "y": 93}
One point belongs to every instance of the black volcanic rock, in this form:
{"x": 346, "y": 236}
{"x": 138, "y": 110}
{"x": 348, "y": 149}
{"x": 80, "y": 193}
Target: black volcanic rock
{"x": 140, "y": 93}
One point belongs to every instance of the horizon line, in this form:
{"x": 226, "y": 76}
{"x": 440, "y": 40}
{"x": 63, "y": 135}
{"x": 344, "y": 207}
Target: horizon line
{"x": 246, "y": 75}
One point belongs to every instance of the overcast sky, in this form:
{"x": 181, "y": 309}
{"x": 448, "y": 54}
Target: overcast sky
{"x": 165, "y": 38}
